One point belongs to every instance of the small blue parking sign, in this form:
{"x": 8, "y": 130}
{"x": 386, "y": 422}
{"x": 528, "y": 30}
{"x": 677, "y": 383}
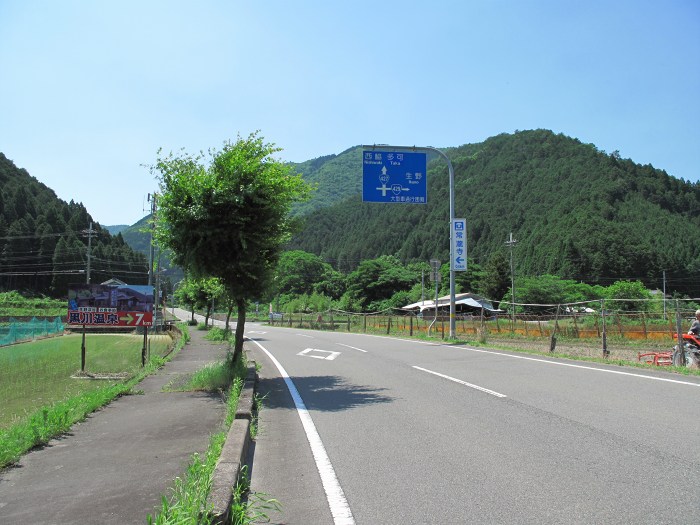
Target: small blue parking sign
{"x": 394, "y": 176}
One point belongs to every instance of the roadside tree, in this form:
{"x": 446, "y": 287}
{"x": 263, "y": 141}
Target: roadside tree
{"x": 200, "y": 294}
{"x": 230, "y": 217}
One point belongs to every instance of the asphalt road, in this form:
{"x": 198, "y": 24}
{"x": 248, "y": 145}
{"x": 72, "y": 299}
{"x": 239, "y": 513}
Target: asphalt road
{"x": 422, "y": 433}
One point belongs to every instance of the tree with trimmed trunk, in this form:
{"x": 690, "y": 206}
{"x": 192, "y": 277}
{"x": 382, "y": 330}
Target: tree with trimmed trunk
{"x": 229, "y": 218}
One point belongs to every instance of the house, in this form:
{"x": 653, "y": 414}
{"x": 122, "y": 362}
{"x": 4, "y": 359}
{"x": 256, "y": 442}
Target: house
{"x": 466, "y": 304}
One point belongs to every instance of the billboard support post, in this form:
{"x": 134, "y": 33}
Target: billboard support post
{"x": 143, "y": 350}
{"x": 82, "y": 352}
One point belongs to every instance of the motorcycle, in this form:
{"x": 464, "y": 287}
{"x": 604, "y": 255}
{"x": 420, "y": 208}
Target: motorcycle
{"x": 690, "y": 354}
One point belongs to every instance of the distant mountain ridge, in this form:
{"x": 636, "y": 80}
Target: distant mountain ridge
{"x": 138, "y": 236}
{"x": 334, "y": 176}
{"x": 576, "y": 212}
{"x": 44, "y": 240}
{"x": 115, "y": 229}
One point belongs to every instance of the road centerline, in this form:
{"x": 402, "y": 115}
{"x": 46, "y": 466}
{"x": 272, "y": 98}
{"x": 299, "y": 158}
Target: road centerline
{"x": 470, "y": 385}
{"x": 353, "y": 347}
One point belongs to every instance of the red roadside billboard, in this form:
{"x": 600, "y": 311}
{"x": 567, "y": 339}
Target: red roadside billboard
{"x": 103, "y": 305}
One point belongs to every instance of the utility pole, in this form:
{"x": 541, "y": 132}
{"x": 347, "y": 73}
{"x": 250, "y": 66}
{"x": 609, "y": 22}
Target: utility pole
{"x": 156, "y": 297}
{"x": 664, "y": 291}
{"x": 89, "y": 233}
{"x": 152, "y": 200}
{"x": 510, "y": 243}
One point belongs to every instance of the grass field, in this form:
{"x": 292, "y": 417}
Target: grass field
{"x": 38, "y": 373}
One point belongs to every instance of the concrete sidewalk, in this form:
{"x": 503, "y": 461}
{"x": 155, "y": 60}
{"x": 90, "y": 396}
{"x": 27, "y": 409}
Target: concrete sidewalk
{"x": 114, "y": 467}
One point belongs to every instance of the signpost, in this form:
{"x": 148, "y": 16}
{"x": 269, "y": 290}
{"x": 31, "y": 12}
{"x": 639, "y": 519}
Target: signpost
{"x": 375, "y": 165}
{"x": 458, "y": 235}
{"x": 394, "y": 176}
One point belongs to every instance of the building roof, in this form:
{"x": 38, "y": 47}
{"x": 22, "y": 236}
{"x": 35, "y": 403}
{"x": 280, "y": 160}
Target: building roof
{"x": 467, "y": 299}
{"x": 114, "y": 282}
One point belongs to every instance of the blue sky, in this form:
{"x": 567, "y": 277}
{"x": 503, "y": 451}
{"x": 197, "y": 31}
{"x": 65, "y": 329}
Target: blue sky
{"x": 89, "y": 90}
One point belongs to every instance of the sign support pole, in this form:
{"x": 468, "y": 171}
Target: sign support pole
{"x": 427, "y": 149}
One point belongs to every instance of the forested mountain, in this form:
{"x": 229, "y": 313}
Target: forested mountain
{"x": 116, "y": 228}
{"x": 139, "y": 238}
{"x": 43, "y": 240}
{"x": 335, "y": 178}
{"x": 575, "y": 211}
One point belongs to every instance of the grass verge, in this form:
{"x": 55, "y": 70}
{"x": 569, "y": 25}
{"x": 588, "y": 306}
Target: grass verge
{"x": 187, "y": 503}
{"x": 55, "y": 419}
{"x": 39, "y": 373}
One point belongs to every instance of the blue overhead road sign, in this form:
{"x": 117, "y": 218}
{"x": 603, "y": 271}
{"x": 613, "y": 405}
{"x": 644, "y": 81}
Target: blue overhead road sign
{"x": 394, "y": 176}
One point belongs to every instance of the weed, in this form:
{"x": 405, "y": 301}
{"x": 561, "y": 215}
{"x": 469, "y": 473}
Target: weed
{"x": 258, "y": 401}
{"x": 250, "y": 507}
{"x": 187, "y": 504}
{"x": 213, "y": 377}
{"x": 218, "y": 334}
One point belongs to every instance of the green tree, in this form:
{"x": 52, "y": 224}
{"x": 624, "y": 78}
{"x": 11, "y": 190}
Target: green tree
{"x": 298, "y": 272}
{"x": 495, "y": 280}
{"x": 634, "y": 291}
{"x": 377, "y": 280}
{"x": 186, "y": 295}
{"x": 331, "y": 284}
{"x": 230, "y": 217}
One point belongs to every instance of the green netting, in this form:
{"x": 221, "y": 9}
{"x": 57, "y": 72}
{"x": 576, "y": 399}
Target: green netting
{"x": 14, "y": 330}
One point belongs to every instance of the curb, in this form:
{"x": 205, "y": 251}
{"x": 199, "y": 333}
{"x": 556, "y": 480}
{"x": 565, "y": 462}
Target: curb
{"x": 234, "y": 452}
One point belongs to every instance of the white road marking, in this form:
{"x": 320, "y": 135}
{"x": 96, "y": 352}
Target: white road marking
{"x": 353, "y": 347}
{"x": 476, "y": 387}
{"x": 334, "y": 493}
{"x": 256, "y": 332}
{"x": 329, "y": 357}
{"x": 304, "y": 335}
{"x": 584, "y": 367}
{"x": 546, "y": 361}
{"x": 641, "y": 376}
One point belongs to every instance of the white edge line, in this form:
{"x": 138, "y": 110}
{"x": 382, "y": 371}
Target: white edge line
{"x": 353, "y": 347}
{"x": 470, "y": 385}
{"x": 334, "y": 493}
{"x": 584, "y": 367}
{"x": 641, "y": 376}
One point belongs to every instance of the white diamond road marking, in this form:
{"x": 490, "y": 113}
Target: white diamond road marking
{"x": 329, "y": 357}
